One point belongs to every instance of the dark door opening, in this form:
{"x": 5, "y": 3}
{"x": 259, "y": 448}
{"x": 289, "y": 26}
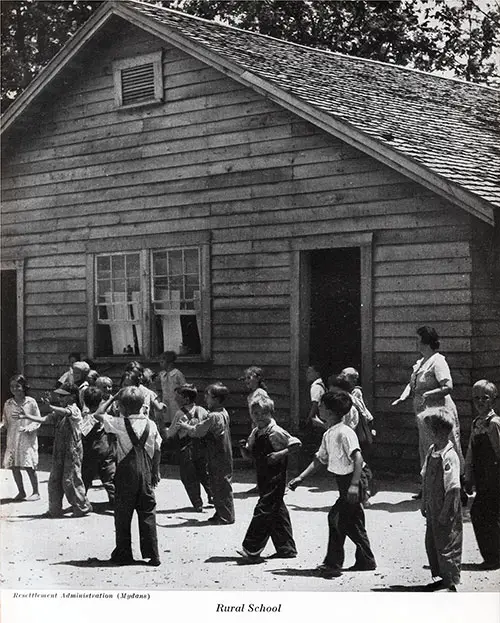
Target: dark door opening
{"x": 335, "y": 309}
{"x": 9, "y": 329}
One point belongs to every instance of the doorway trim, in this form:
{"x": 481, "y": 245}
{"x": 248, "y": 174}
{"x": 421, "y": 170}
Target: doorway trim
{"x": 18, "y": 266}
{"x": 299, "y": 305}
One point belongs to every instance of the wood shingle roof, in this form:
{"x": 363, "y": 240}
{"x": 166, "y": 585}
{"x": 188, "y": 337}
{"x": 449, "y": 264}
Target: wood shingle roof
{"x": 442, "y": 132}
{"x": 449, "y": 127}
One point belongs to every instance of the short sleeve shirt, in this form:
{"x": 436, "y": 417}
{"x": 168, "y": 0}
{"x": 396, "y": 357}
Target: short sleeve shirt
{"x": 317, "y": 390}
{"x": 124, "y": 445}
{"x": 279, "y": 437}
{"x": 337, "y": 448}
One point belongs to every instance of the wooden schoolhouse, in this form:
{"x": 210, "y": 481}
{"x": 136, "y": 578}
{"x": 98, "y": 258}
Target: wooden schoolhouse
{"x": 171, "y": 183}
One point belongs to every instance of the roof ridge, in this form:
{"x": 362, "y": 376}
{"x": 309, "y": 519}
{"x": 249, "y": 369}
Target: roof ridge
{"x": 321, "y": 50}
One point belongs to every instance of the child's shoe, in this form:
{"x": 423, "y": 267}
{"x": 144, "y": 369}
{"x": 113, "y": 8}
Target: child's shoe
{"x": 325, "y": 571}
{"x": 20, "y": 497}
{"x": 154, "y": 562}
{"x": 34, "y": 497}
{"x": 250, "y": 559}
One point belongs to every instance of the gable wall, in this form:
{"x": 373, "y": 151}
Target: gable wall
{"x": 220, "y": 157}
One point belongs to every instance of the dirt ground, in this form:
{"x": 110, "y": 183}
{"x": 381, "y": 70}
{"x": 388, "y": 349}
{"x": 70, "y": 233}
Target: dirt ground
{"x": 44, "y": 553}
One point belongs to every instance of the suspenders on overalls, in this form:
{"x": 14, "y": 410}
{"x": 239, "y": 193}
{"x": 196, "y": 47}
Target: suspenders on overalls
{"x": 138, "y": 452}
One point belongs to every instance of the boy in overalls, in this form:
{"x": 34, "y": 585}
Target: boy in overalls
{"x": 137, "y": 473}
{"x": 269, "y": 444}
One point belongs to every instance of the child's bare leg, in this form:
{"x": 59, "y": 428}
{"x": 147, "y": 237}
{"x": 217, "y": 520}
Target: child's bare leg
{"x": 34, "y": 482}
{"x": 18, "y": 479}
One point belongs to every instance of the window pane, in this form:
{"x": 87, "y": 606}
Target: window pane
{"x": 176, "y": 291}
{"x": 103, "y": 265}
{"x": 118, "y": 294}
{"x": 191, "y": 261}
{"x": 175, "y": 263}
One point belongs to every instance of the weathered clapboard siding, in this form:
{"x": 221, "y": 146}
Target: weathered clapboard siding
{"x": 486, "y": 300}
{"x": 219, "y": 157}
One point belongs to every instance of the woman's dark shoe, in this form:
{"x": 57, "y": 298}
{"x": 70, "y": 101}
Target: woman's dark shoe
{"x": 417, "y": 496}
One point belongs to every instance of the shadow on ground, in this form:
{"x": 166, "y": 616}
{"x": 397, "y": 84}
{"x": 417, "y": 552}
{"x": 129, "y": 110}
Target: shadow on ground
{"x": 96, "y": 562}
{"x": 399, "y": 507}
{"x": 301, "y": 573}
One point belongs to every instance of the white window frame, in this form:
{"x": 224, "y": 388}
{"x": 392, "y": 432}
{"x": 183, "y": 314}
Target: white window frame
{"x": 146, "y": 302}
{"x": 155, "y": 58}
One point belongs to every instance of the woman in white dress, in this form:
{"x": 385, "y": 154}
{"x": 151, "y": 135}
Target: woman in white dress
{"x": 22, "y": 441}
{"x": 430, "y": 386}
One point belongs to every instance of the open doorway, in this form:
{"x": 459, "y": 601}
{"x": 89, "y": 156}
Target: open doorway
{"x": 335, "y": 308}
{"x": 9, "y": 329}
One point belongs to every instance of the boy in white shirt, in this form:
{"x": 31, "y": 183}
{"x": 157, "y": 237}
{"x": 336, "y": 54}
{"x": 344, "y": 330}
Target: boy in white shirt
{"x": 340, "y": 452}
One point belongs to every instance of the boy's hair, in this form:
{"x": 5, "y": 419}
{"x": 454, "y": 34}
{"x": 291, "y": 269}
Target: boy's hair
{"x": 82, "y": 367}
{"x": 92, "y": 375}
{"x": 351, "y": 374}
{"x": 258, "y": 373}
{"x": 169, "y": 356}
{"x": 218, "y": 390}
{"x": 265, "y": 404}
{"x": 148, "y": 376}
{"x": 340, "y": 382}
{"x": 438, "y": 418}
{"x": 132, "y": 366}
{"x": 21, "y": 379}
{"x": 134, "y": 376}
{"x": 488, "y": 386}
{"x": 337, "y": 401}
{"x": 92, "y": 397}
{"x": 102, "y": 380}
{"x": 187, "y": 391}
{"x": 131, "y": 400}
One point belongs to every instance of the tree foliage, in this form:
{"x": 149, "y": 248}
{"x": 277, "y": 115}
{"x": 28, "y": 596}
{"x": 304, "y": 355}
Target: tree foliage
{"x": 459, "y": 38}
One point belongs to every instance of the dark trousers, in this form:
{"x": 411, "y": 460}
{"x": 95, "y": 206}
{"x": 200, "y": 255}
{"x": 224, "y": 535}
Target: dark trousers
{"x": 270, "y": 520}
{"x": 220, "y": 469}
{"x": 485, "y": 517}
{"x": 133, "y": 491}
{"x": 99, "y": 460}
{"x": 194, "y": 472}
{"x": 347, "y": 520}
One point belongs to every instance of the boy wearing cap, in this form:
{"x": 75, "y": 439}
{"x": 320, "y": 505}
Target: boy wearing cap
{"x": 80, "y": 373}
{"x": 66, "y": 469}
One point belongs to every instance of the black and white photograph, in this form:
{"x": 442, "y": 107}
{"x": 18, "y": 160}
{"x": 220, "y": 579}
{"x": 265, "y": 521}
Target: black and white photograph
{"x": 250, "y": 309}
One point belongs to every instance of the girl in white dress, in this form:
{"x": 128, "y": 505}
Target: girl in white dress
{"x": 22, "y": 441}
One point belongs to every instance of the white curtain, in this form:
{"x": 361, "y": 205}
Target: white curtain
{"x": 171, "y": 323}
{"x": 122, "y": 334}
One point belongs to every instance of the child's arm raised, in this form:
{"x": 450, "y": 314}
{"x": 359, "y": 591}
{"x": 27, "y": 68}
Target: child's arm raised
{"x": 101, "y": 410}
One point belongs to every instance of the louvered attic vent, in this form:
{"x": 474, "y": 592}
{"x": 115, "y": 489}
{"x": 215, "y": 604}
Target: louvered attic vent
{"x": 138, "y": 80}
{"x": 138, "y": 83}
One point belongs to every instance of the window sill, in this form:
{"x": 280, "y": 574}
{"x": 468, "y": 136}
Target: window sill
{"x": 144, "y": 104}
{"x": 124, "y": 359}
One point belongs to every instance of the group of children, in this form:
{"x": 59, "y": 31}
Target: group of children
{"x": 119, "y": 436}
